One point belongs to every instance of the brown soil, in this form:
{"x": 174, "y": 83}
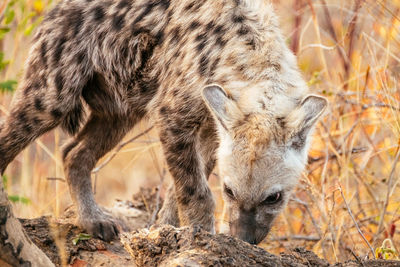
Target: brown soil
{"x": 159, "y": 246}
{"x": 56, "y": 235}
{"x": 169, "y": 246}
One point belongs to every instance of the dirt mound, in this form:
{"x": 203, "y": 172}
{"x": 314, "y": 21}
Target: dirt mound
{"x": 66, "y": 244}
{"x": 192, "y": 246}
{"x": 169, "y": 246}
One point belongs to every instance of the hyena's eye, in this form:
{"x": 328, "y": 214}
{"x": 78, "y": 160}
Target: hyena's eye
{"x": 272, "y": 199}
{"x": 229, "y": 192}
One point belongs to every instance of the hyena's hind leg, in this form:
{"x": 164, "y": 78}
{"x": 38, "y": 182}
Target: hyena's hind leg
{"x": 98, "y": 136}
{"x": 29, "y": 118}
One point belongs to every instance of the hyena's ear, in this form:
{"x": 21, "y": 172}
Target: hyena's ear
{"x": 223, "y": 108}
{"x": 303, "y": 118}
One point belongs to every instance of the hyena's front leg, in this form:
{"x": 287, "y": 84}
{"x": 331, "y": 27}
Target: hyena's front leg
{"x": 193, "y": 196}
{"x": 98, "y": 136}
{"x": 208, "y": 145}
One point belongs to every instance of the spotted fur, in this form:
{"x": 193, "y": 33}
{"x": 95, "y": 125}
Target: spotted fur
{"x": 215, "y": 76}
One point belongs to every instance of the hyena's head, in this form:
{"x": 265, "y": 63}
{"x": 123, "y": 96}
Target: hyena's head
{"x": 260, "y": 159}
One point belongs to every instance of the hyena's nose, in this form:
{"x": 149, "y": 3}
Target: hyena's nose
{"x": 247, "y": 235}
{"x": 245, "y": 227}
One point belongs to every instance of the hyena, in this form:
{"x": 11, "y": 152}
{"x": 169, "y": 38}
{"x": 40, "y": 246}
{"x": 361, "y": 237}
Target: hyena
{"x": 215, "y": 76}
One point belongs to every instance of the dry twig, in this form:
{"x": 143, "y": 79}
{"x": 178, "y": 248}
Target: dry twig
{"x": 355, "y": 222}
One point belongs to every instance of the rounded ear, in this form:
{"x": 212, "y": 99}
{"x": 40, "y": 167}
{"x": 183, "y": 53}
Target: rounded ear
{"x": 313, "y": 107}
{"x": 304, "y": 117}
{"x": 223, "y": 108}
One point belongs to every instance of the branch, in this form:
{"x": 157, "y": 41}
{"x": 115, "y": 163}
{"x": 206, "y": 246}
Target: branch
{"x": 120, "y": 146}
{"x": 157, "y": 206}
{"x": 333, "y": 156}
{"x": 297, "y": 237}
{"x": 355, "y": 222}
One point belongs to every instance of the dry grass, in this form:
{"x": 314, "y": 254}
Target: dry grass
{"x": 348, "y": 200}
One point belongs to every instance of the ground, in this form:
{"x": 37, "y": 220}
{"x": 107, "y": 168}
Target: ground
{"x": 159, "y": 245}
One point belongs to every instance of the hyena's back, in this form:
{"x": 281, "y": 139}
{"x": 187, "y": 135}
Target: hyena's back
{"x": 95, "y": 52}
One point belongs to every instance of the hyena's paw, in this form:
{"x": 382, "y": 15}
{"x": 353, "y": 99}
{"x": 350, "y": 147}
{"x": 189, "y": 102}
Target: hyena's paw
{"x": 168, "y": 215}
{"x": 199, "y": 213}
{"x": 100, "y": 225}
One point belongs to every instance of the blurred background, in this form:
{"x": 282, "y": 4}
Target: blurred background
{"x": 348, "y": 200}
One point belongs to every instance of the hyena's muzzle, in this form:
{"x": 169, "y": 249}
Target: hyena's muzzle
{"x": 246, "y": 227}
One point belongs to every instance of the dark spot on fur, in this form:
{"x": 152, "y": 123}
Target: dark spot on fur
{"x": 177, "y": 53}
{"x": 163, "y": 111}
{"x": 123, "y": 3}
{"x": 56, "y": 113}
{"x": 237, "y": 18}
{"x": 220, "y": 41}
{"x": 165, "y": 4}
{"x": 298, "y": 142}
{"x": 98, "y": 13}
{"x": 59, "y": 47}
{"x": 203, "y": 64}
{"x": 80, "y": 57}
{"x": 277, "y": 66}
{"x": 210, "y": 26}
{"x": 281, "y": 120}
{"x": 194, "y": 25}
{"x": 201, "y": 37}
{"x": 43, "y": 52}
{"x": 214, "y": 65}
{"x": 184, "y": 199}
{"x": 175, "y": 34}
{"x": 243, "y": 30}
{"x": 36, "y": 121}
{"x": 201, "y": 46}
{"x": 251, "y": 43}
{"x": 27, "y": 128}
{"x": 100, "y": 37}
{"x": 179, "y": 146}
{"x": 219, "y": 30}
{"x": 38, "y": 104}
{"x": 190, "y": 6}
{"x": 118, "y": 22}
{"x": 159, "y": 38}
{"x": 21, "y": 116}
{"x": 27, "y": 90}
{"x": 189, "y": 190}
{"x": 149, "y": 87}
{"x": 175, "y": 92}
{"x": 59, "y": 81}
